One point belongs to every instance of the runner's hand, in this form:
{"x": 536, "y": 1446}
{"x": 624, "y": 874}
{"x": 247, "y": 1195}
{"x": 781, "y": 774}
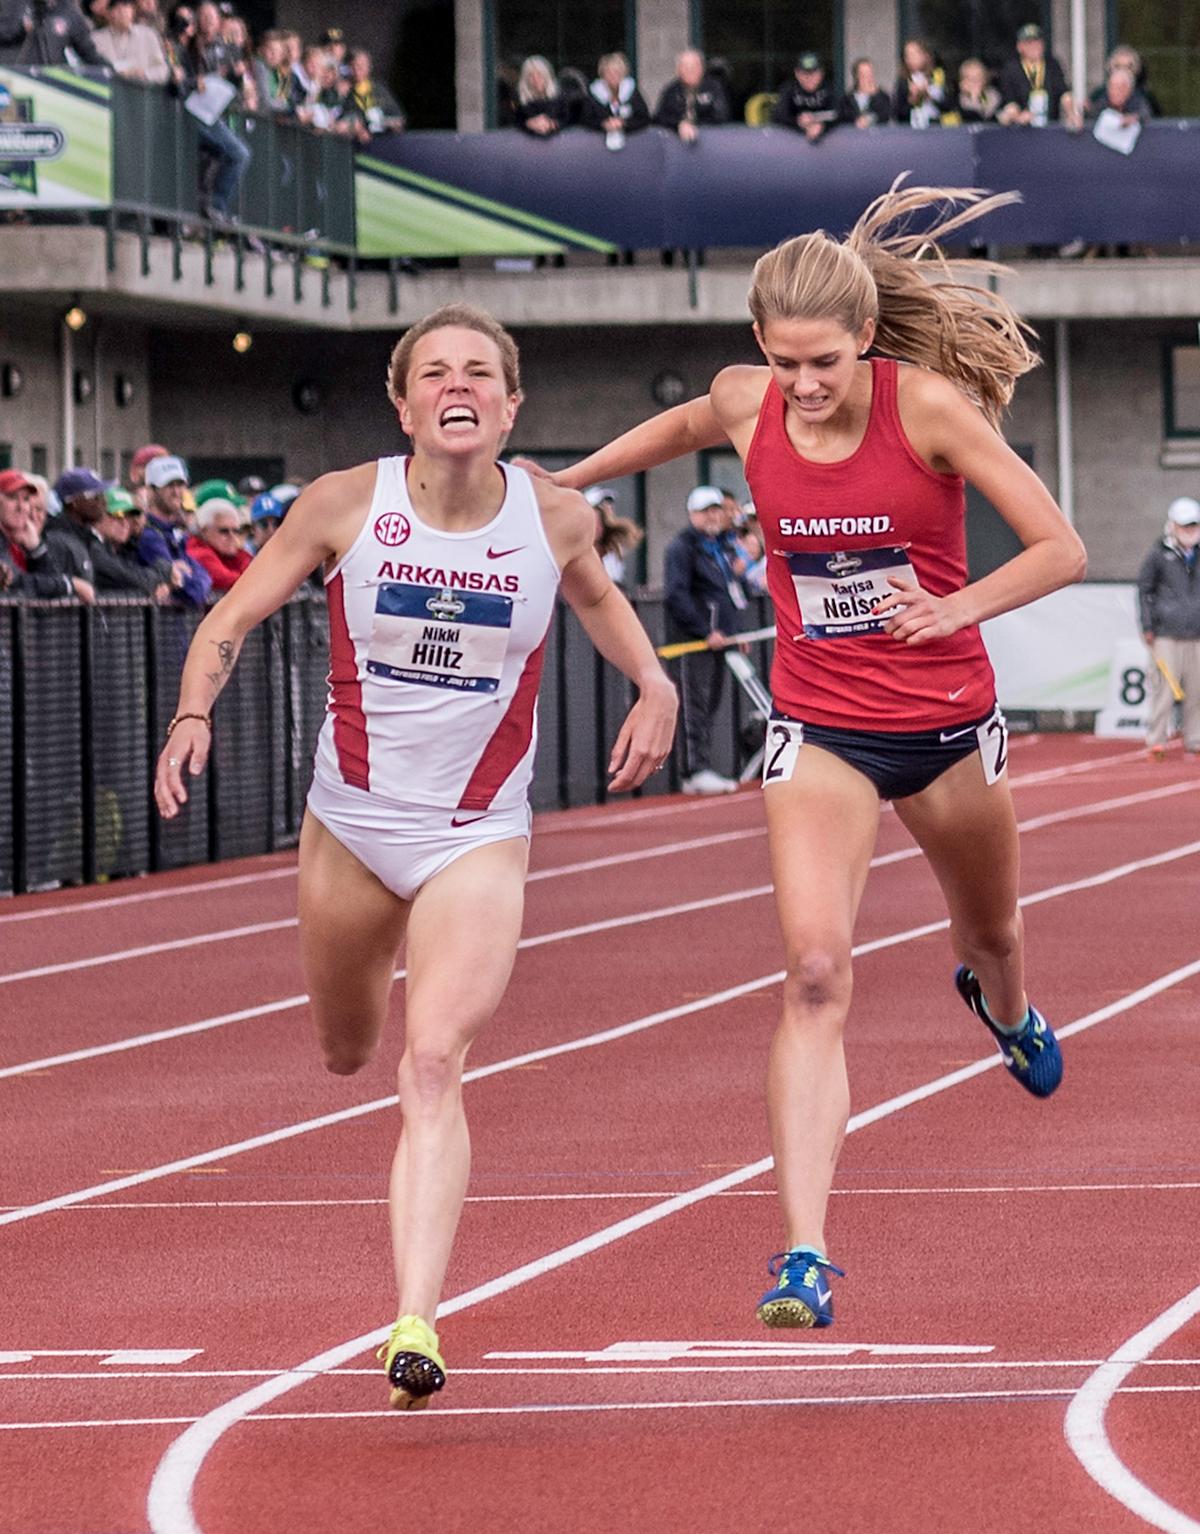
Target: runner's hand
{"x": 914, "y": 616}
{"x": 535, "y": 469}
{"x": 188, "y": 746}
{"x": 644, "y": 742}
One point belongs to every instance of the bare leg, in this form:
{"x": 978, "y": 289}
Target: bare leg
{"x": 822, "y": 826}
{"x": 968, "y": 831}
{"x": 350, "y": 928}
{"x": 462, "y": 941}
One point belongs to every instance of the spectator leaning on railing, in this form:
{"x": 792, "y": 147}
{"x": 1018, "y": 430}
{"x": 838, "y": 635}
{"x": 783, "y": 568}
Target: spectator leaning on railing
{"x": 165, "y": 533}
{"x": 26, "y": 569}
{"x": 693, "y": 99}
{"x": 72, "y": 539}
{"x": 541, "y": 108}
{"x": 978, "y": 99}
{"x": 866, "y": 104}
{"x": 919, "y": 98}
{"x": 1120, "y": 94}
{"x": 217, "y": 545}
{"x": 132, "y": 50}
{"x": 806, "y": 102}
{"x": 272, "y": 75}
{"x": 614, "y": 105}
{"x": 1033, "y": 86}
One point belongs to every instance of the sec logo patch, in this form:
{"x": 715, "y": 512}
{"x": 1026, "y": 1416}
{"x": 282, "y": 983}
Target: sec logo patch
{"x": 392, "y": 528}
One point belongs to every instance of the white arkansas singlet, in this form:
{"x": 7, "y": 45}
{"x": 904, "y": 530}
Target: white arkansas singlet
{"x": 436, "y": 643}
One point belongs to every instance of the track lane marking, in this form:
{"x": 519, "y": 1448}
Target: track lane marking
{"x": 169, "y": 1502}
{"x": 245, "y": 1014}
{"x": 931, "y": 1397}
{"x": 599, "y": 822}
{"x": 1087, "y": 1436}
{"x": 633, "y": 1197}
{"x": 594, "y": 1040}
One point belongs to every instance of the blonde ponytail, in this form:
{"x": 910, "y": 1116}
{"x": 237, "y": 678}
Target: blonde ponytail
{"x": 967, "y": 333}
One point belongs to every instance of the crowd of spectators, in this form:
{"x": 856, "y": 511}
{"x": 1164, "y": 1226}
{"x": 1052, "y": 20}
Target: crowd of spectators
{"x": 158, "y": 538}
{"x": 204, "y": 54}
{"x": 1030, "y": 90}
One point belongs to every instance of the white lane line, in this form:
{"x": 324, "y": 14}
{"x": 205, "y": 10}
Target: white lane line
{"x": 632, "y": 1197}
{"x": 1084, "y": 1424}
{"x": 169, "y": 1503}
{"x": 594, "y": 1040}
{"x": 931, "y": 1397}
{"x": 546, "y": 826}
{"x": 200, "y": 939}
{"x": 626, "y": 1369}
{"x": 138, "y": 897}
{"x": 903, "y": 854}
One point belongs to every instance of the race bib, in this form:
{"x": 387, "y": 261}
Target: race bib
{"x": 781, "y": 750}
{"x": 438, "y": 637}
{"x": 992, "y": 736}
{"x": 836, "y": 592}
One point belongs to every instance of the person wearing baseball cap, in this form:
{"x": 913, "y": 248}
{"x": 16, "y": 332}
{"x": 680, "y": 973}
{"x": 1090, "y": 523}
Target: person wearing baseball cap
{"x": 217, "y": 545}
{"x": 704, "y": 602}
{"x": 266, "y": 513}
{"x": 165, "y": 536}
{"x": 217, "y": 490}
{"x": 807, "y": 101}
{"x": 1169, "y": 608}
{"x": 1033, "y": 87}
{"x": 73, "y": 539}
{"x": 26, "y": 567}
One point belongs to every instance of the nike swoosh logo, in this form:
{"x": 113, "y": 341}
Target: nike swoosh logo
{"x": 504, "y": 553}
{"x": 470, "y": 820}
{"x": 955, "y": 734}
{"x": 957, "y": 693}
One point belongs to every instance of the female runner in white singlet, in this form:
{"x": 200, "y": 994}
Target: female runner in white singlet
{"x": 881, "y": 684}
{"x": 441, "y": 571}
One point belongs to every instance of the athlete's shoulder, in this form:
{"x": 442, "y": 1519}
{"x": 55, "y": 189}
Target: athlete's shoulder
{"x": 569, "y": 521}
{"x": 921, "y": 389}
{"x": 737, "y": 392}
{"x": 328, "y": 513}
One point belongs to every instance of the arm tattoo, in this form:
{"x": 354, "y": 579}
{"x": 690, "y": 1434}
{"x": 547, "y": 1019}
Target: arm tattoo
{"x": 227, "y": 652}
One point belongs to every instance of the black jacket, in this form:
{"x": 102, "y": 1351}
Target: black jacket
{"x": 557, "y": 108}
{"x": 794, "y": 99}
{"x": 879, "y": 107}
{"x": 696, "y": 588}
{"x": 1169, "y": 593}
{"x": 61, "y": 26}
{"x": 1015, "y": 86}
{"x": 632, "y": 110}
{"x": 40, "y": 579}
{"x": 710, "y": 103}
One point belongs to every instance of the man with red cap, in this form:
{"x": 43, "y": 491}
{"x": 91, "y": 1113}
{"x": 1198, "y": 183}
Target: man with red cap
{"x": 25, "y": 566}
{"x": 137, "y": 472}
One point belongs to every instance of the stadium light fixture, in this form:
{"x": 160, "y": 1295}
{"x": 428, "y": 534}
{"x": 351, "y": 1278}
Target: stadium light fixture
{"x": 75, "y": 317}
{"x": 242, "y": 342}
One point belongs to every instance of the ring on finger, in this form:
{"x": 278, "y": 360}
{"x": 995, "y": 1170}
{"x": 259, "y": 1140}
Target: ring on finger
{"x": 172, "y": 761}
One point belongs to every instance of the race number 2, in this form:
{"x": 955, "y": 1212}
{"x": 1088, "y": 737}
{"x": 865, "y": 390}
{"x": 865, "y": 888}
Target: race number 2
{"x": 784, "y": 739}
{"x": 992, "y": 736}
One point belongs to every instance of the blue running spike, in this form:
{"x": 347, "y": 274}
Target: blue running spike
{"x": 1032, "y": 1055}
{"x": 801, "y": 1295}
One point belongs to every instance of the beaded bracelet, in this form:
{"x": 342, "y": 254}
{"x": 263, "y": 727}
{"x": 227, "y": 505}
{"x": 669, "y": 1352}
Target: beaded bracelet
{"x": 179, "y": 718}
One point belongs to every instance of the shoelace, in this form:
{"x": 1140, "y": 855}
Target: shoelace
{"x": 795, "y": 1259}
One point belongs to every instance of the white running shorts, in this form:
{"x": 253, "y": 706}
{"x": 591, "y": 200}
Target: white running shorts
{"x": 404, "y": 846}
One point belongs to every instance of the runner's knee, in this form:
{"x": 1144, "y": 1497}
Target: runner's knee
{"x": 817, "y": 979}
{"x": 428, "y": 1074}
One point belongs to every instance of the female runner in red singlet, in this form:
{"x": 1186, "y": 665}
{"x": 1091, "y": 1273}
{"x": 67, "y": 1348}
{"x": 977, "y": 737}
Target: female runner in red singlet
{"x": 881, "y": 684}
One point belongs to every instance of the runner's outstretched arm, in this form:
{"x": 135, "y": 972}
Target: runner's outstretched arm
{"x": 306, "y": 538}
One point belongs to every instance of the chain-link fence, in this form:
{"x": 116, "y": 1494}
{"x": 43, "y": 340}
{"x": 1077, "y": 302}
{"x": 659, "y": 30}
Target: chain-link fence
{"x": 86, "y": 693}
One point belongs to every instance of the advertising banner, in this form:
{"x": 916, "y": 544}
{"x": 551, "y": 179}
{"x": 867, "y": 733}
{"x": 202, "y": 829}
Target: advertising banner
{"x": 507, "y": 192}
{"x": 55, "y": 140}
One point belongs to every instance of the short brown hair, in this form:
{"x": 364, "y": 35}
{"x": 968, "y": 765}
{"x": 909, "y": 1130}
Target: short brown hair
{"x": 463, "y": 317}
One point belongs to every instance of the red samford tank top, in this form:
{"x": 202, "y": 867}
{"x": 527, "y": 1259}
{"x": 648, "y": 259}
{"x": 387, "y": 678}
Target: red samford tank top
{"x": 834, "y": 532}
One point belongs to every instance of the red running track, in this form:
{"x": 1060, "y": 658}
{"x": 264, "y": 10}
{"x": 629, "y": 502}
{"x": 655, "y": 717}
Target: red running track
{"x": 194, "y": 1238}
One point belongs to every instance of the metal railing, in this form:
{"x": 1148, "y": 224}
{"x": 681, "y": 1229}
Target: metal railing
{"x": 86, "y": 693}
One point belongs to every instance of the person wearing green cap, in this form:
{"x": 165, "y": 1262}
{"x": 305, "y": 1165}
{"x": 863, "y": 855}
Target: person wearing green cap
{"x": 217, "y": 490}
{"x": 114, "y": 555}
